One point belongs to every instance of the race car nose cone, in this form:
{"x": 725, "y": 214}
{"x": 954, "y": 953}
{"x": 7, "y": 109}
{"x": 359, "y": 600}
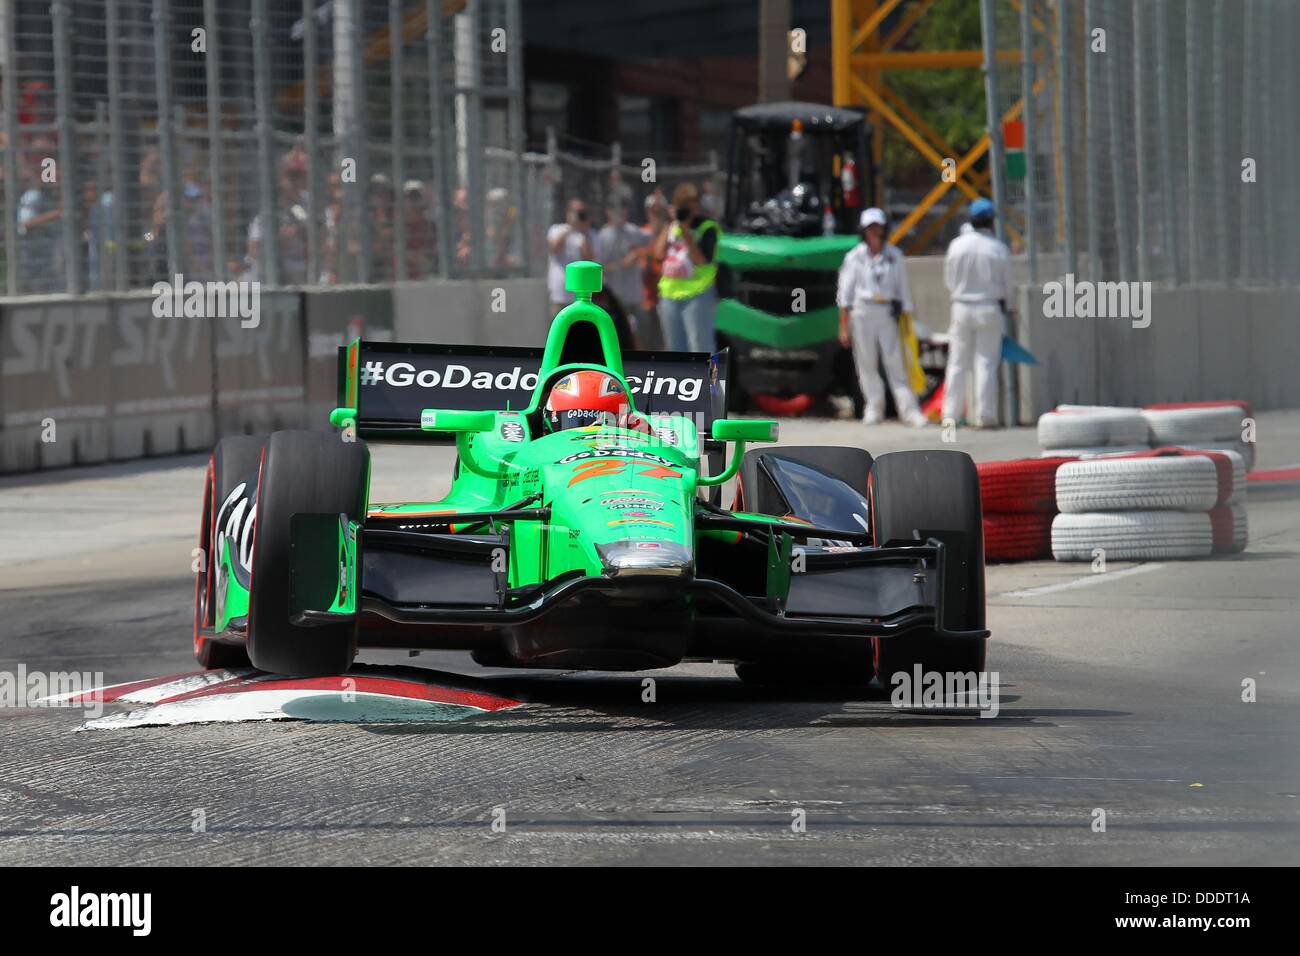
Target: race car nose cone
{"x": 645, "y": 558}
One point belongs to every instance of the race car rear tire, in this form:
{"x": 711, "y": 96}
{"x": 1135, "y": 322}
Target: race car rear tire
{"x": 235, "y": 460}
{"x": 302, "y": 472}
{"x": 933, "y": 491}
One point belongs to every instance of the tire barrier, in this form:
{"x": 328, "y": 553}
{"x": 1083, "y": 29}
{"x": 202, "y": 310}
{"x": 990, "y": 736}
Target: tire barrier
{"x": 1027, "y": 486}
{"x": 1090, "y": 431}
{"x": 1229, "y": 528}
{"x": 1138, "y": 483}
{"x": 1117, "y": 501}
{"x": 1132, "y": 535}
{"x": 1019, "y": 502}
{"x": 1083, "y": 426}
{"x": 1017, "y": 537}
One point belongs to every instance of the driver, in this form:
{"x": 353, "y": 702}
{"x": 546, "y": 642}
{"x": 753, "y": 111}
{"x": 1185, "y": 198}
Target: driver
{"x": 588, "y": 397}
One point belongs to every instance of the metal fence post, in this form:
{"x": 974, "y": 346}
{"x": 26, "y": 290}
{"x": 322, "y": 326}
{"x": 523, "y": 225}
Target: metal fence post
{"x": 1065, "y": 118}
{"x": 355, "y": 141}
{"x": 13, "y": 188}
{"x": 311, "y": 135}
{"x": 96, "y": 278}
{"x": 397, "y": 135}
{"x": 260, "y": 27}
{"x": 1122, "y": 199}
{"x": 1140, "y": 143}
{"x": 216, "y": 188}
{"x": 1195, "y": 138}
{"x": 1164, "y": 107}
{"x": 167, "y": 136}
{"x": 1030, "y": 118}
{"x": 121, "y": 215}
{"x": 1218, "y": 146}
{"x": 469, "y": 83}
{"x": 68, "y": 172}
{"x": 997, "y": 157}
{"x": 515, "y": 127}
{"x": 438, "y": 131}
{"x": 1092, "y": 184}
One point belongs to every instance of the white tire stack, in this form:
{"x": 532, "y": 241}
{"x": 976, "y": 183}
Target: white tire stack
{"x": 1074, "y": 428}
{"x": 1207, "y": 428}
{"x": 1135, "y": 508}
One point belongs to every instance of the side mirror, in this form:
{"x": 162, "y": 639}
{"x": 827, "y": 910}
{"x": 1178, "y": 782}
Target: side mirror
{"x": 745, "y": 429}
{"x": 457, "y": 420}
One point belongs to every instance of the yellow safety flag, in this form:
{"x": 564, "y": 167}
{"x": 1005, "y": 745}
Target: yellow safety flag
{"x": 911, "y": 353}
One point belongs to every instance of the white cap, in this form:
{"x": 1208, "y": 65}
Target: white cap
{"x": 871, "y": 217}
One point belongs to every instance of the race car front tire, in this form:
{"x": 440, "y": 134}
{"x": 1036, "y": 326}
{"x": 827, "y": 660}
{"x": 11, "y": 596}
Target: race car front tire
{"x": 302, "y": 472}
{"x": 235, "y": 460}
{"x": 933, "y": 491}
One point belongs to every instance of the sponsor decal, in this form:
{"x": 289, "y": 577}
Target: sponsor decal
{"x": 452, "y": 375}
{"x": 666, "y": 436}
{"x": 647, "y": 545}
{"x": 632, "y": 502}
{"x": 640, "y": 521}
{"x": 614, "y": 451}
{"x": 512, "y": 431}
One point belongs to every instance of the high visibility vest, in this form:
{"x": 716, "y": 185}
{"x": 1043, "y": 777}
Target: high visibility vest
{"x": 703, "y": 276}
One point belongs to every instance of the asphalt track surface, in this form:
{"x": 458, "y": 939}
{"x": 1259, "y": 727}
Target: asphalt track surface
{"x": 1120, "y": 691}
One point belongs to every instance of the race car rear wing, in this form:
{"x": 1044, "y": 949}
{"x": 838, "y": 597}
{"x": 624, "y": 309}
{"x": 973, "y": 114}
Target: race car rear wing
{"x": 389, "y": 383}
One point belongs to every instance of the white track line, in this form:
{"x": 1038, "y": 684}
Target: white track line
{"x": 1083, "y": 582}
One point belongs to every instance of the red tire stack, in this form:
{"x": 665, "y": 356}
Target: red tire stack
{"x": 1019, "y": 501}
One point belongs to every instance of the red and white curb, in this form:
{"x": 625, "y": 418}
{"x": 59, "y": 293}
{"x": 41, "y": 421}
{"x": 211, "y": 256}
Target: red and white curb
{"x": 230, "y": 696}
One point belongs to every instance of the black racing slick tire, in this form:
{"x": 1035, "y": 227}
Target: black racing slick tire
{"x": 936, "y": 491}
{"x": 302, "y": 473}
{"x": 234, "y": 462}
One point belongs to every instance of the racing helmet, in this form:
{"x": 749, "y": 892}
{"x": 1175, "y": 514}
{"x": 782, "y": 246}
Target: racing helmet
{"x": 585, "y": 397}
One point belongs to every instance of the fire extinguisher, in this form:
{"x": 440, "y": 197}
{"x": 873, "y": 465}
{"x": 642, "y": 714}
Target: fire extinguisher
{"x": 849, "y": 182}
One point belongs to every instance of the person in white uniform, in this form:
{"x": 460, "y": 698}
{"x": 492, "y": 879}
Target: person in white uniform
{"x": 872, "y": 293}
{"x": 977, "y": 271}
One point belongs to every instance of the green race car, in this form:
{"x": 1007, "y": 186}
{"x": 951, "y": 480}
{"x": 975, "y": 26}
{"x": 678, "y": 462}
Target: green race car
{"x": 578, "y": 531}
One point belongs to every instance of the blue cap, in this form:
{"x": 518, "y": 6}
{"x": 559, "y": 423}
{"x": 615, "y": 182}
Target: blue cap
{"x": 981, "y": 209}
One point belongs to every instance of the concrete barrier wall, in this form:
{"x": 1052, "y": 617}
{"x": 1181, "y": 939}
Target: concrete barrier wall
{"x": 1201, "y": 344}
{"x": 107, "y": 380}
{"x": 86, "y": 380}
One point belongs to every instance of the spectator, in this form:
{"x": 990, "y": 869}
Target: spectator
{"x": 501, "y": 216}
{"x": 196, "y": 210}
{"x": 420, "y": 245}
{"x": 688, "y": 296}
{"x": 618, "y": 249}
{"x": 38, "y": 232}
{"x": 290, "y": 225}
{"x": 333, "y": 242}
{"x": 566, "y": 242}
{"x": 383, "y": 238}
{"x": 656, "y": 216}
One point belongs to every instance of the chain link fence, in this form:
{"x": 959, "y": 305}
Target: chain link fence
{"x": 290, "y": 143}
{"x": 1158, "y": 138}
